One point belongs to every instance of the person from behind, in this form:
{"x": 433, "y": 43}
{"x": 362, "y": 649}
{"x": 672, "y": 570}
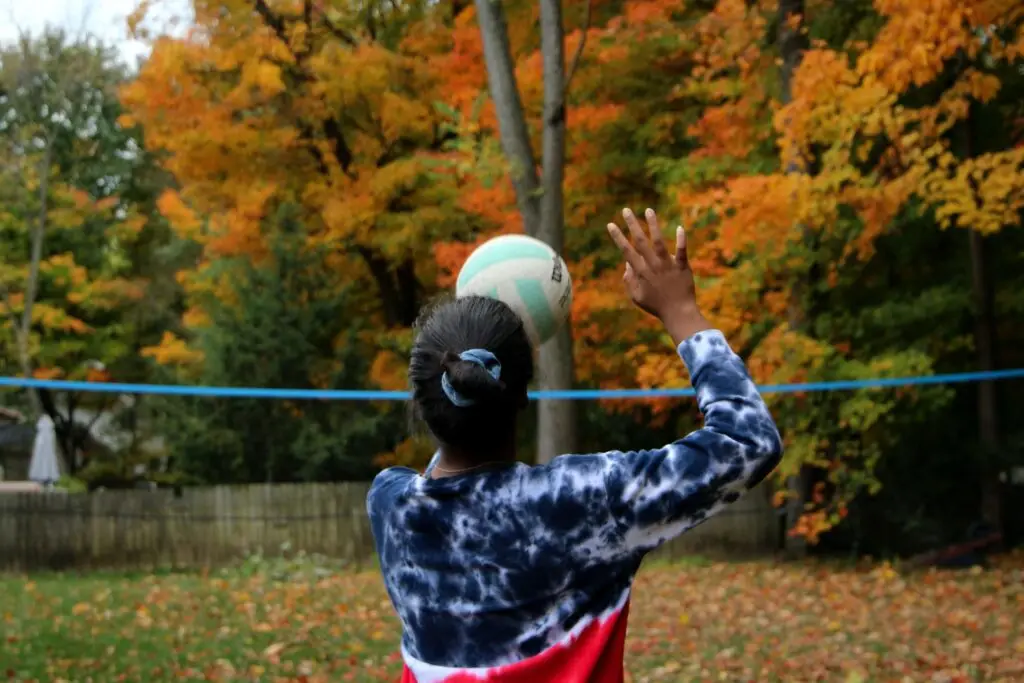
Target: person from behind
{"x": 506, "y": 572}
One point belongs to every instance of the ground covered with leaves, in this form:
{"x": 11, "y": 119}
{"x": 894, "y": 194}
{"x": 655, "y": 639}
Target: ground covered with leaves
{"x": 692, "y": 622}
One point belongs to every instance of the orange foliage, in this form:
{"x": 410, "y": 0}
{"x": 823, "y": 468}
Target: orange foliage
{"x": 872, "y": 153}
{"x": 392, "y": 154}
{"x": 172, "y": 350}
{"x": 257, "y": 110}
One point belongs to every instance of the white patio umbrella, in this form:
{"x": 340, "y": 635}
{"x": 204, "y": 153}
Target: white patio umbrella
{"x": 44, "y": 467}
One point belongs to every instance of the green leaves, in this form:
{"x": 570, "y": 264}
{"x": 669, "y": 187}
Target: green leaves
{"x": 73, "y": 181}
{"x": 285, "y": 322}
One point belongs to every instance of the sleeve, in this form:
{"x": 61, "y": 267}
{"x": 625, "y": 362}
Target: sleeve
{"x": 656, "y": 495}
{"x": 381, "y": 498}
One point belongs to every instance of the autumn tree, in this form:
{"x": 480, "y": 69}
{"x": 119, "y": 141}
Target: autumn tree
{"x": 321, "y": 106}
{"x": 72, "y": 215}
{"x": 816, "y": 217}
{"x": 272, "y": 333}
{"x": 919, "y": 93}
{"x": 871, "y": 126}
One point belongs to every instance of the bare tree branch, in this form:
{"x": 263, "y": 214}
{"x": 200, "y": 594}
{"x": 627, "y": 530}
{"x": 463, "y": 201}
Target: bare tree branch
{"x": 574, "y": 64}
{"x": 340, "y": 33}
{"x": 274, "y": 21}
{"x": 330, "y": 128}
{"x": 37, "y": 235}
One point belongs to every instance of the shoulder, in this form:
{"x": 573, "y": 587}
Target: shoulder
{"x": 571, "y": 476}
{"x": 386, "y": 486}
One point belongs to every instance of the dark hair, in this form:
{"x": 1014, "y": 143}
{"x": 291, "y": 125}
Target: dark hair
{"x": 444, "y": 332}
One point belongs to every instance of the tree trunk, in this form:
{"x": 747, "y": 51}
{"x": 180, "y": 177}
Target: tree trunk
{"x": 985, "y": 348}
{"x": 792, "y": 44}
{"x": 983, "y": 295}
{"x": 540, "y": 201}
{"x": 23, "y": 334}
{"x": 556, "y": 434}
{"x": 515, "y": 139}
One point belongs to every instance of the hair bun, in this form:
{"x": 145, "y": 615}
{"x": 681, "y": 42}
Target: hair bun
{"x": 470, "y": 379}
{"x": 449, "y": 359}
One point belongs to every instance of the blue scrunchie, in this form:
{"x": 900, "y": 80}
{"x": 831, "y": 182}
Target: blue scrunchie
{"x": 482, "y": 357}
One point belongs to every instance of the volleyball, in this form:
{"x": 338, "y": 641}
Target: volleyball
{"x": 524, "y": 273}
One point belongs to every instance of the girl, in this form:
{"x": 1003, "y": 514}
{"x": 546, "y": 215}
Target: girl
{"x": 506, "y": 572}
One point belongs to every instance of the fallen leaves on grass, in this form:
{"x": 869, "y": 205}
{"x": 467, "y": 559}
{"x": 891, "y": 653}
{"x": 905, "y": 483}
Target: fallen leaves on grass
{"x": 723, "y": 622}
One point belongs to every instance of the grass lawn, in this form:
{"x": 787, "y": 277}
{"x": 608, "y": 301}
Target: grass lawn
{"x": 694, "y": 622}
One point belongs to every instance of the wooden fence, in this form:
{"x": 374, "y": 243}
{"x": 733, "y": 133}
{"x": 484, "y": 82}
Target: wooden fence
{"x": 206, "y": 527}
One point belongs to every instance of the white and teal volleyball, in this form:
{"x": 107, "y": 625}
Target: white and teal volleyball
{"x": 526, "y": 274}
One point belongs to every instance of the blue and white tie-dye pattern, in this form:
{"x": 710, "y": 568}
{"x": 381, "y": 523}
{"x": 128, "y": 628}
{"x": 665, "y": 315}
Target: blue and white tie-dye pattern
{"x": 490, "y": 570}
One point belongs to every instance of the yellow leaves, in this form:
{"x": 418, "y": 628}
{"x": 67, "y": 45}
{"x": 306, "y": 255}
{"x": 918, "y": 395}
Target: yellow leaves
{"x": 131, "y": 226}
{"x": 983, "y": 87}
{"x": 173, "y": 351}
{"x": 877, "y": 206}
{"x": 195, "y": 317}
{"x": 811, "y": 526}
{"x": 342, "y": 144}
{"x": 108, "y": 294}
{"x": 64, "y": 272}
{"x": 54, "y": 318}
{"x": 241, "y": 233}
{"x": 985, "y": 193}
{"x": 136, "y": 17}
{"x": 916, "y": 41}
{"x": 839, "y": 113}
{"x": 298, "y": 39}
{"x": 344, "y": 216}
{"x": 182, "y": 219}
{"x": 389, "y": 371}
{"x": 264, "y": 76}
{"x": 762, "y": 214}
{"x": 260, "y": 80}
{"x": 785, "y": 356}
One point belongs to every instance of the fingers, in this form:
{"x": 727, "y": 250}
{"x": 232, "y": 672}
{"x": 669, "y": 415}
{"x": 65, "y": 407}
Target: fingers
{"x": 640, "y": 239}
{"x": 656, "y": 239}
{"x": 681, "y": 257}
{"x": 647, "y": 250}
{"x": 633, "y": 259}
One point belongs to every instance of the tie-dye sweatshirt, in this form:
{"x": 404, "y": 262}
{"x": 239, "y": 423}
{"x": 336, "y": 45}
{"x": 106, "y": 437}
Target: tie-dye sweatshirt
{"x": 523, "y": 574}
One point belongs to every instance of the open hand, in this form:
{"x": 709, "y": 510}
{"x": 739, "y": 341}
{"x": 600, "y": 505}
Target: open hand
{"x": 659, "y": 283}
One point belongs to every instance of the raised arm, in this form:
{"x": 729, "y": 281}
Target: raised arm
{"x": 658, "y": 494}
